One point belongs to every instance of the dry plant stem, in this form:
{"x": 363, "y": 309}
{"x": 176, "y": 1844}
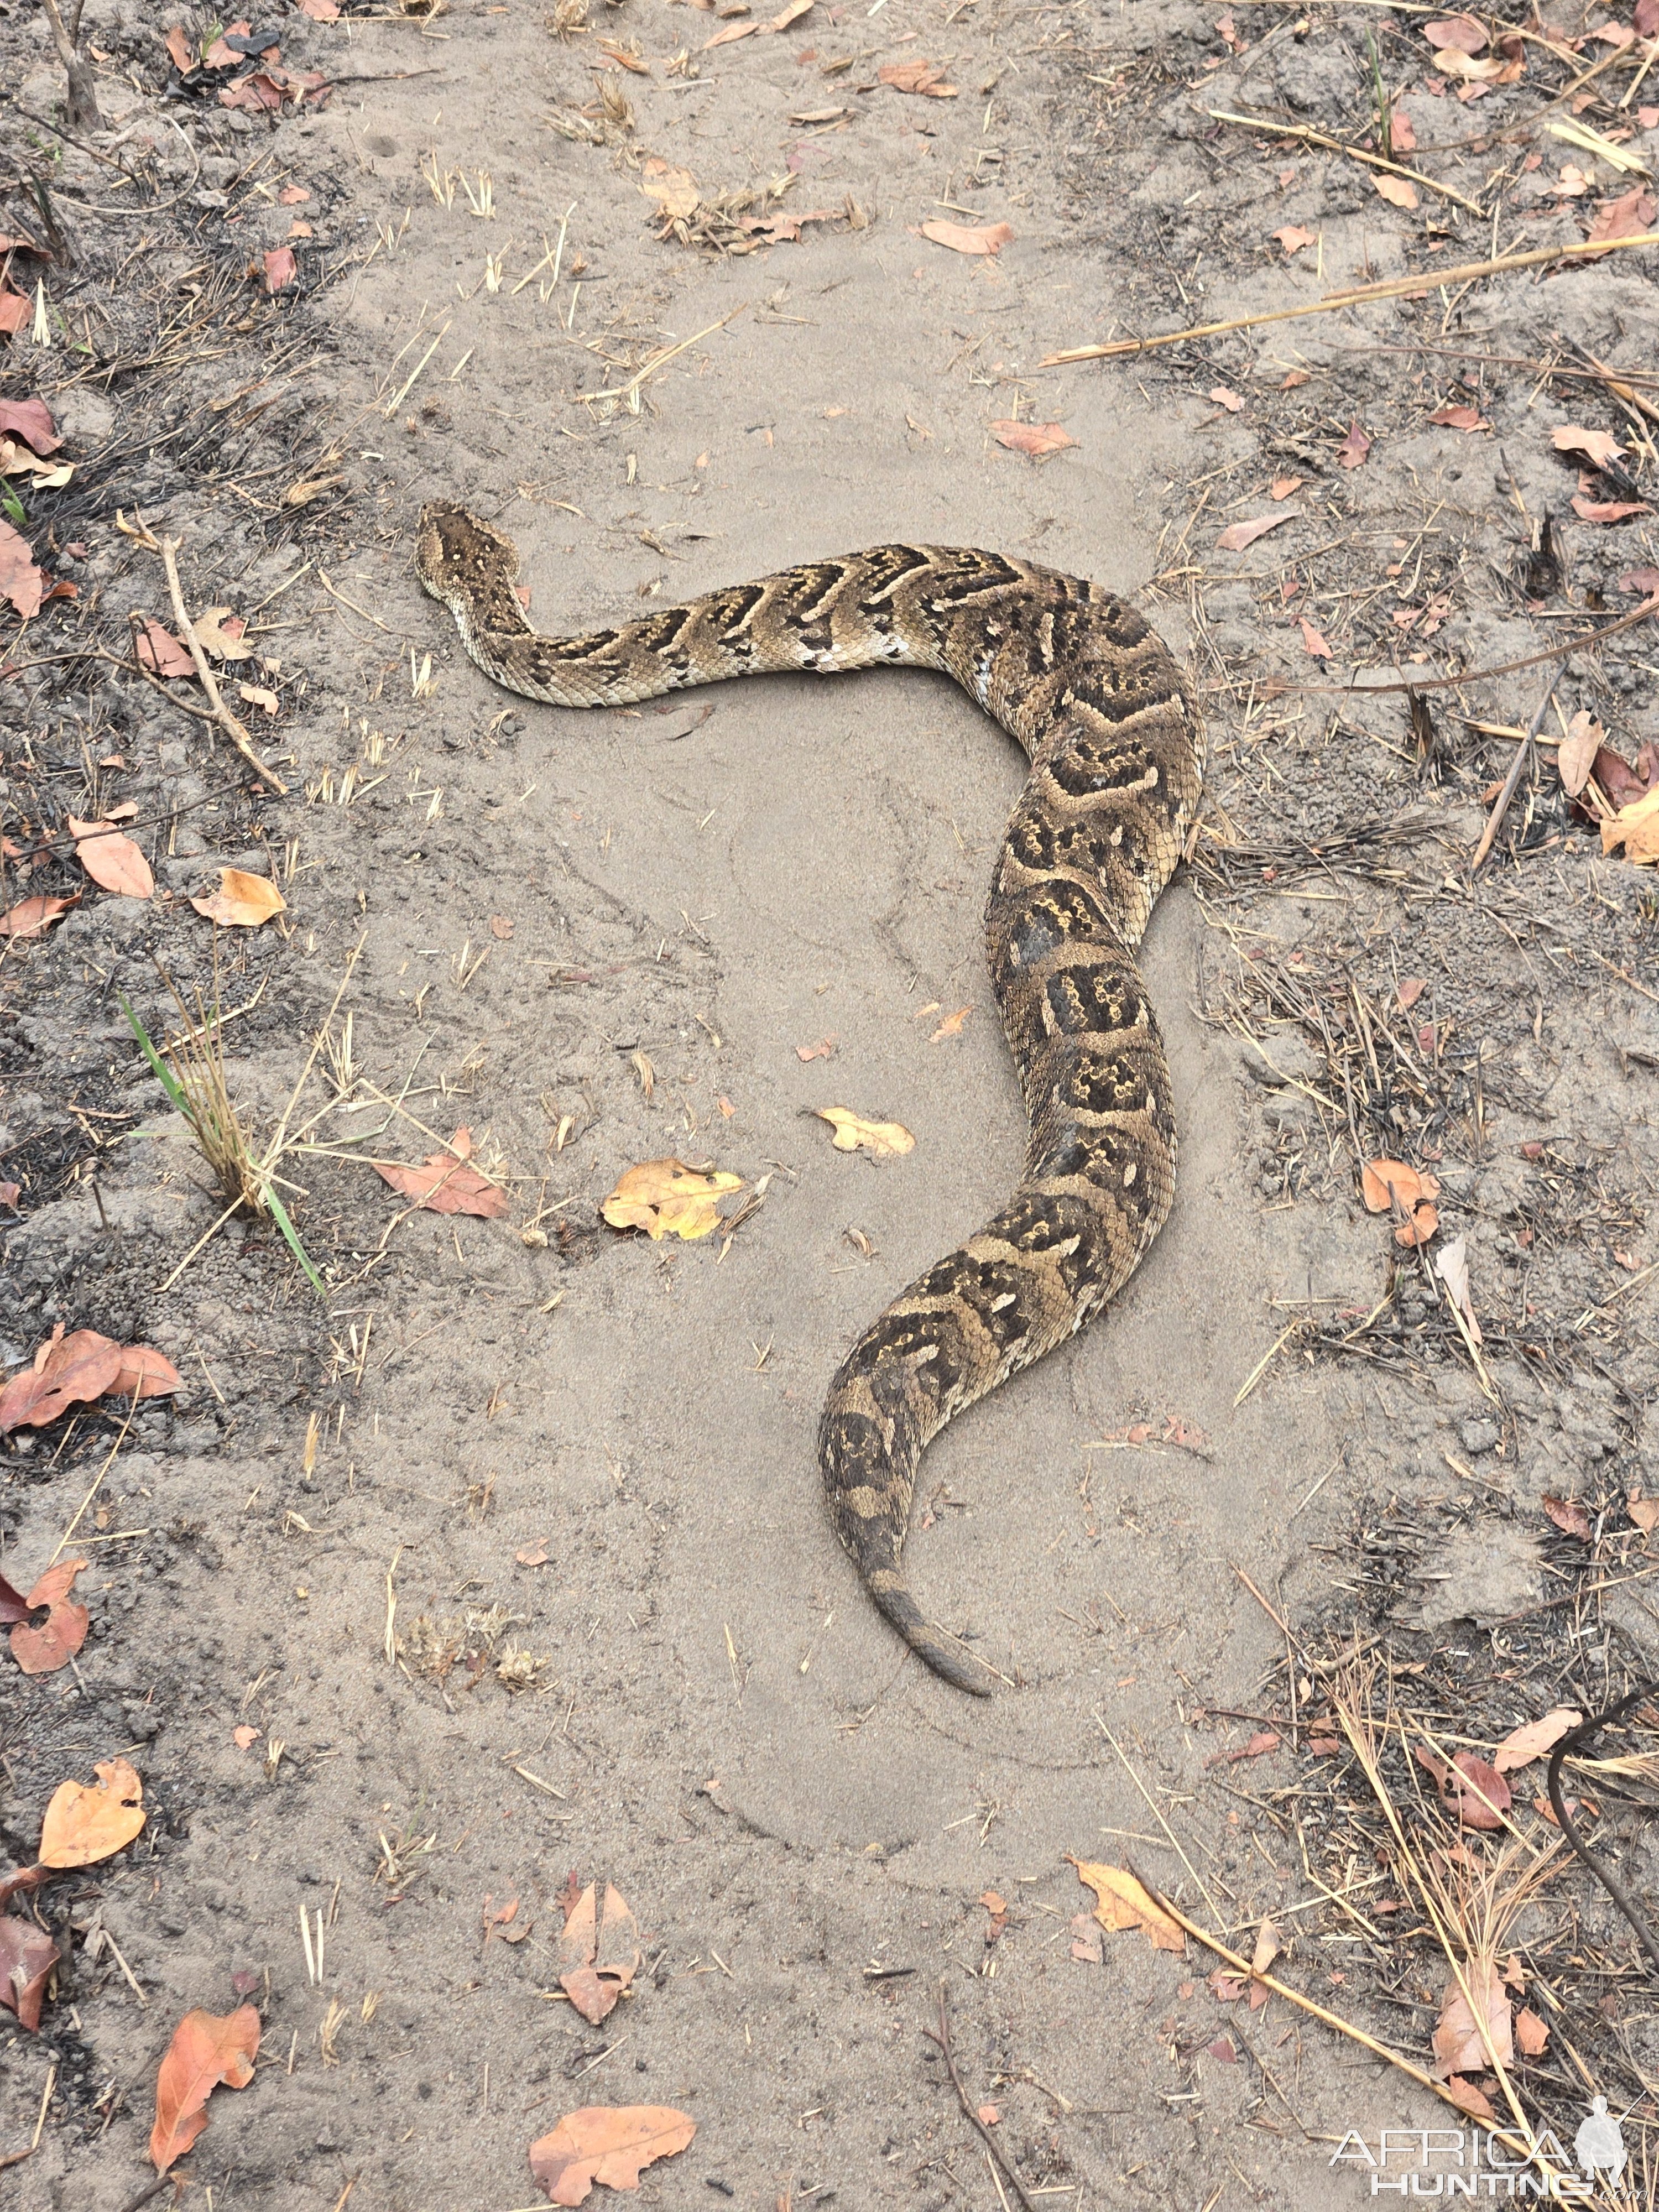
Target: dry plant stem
{"x": 1392, "y": 288}
{"x": 1353, "y": 153}
{"x": 228, "y": 721}
{"x": 941, "y": 2036}
{"x": 1574, "y": 1739}
{"x": 83, "y": 106}
{"x": 1152, "y": 1808}
{"x": 1523, "y": 753}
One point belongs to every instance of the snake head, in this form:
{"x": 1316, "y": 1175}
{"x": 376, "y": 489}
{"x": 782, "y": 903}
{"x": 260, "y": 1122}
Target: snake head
{"x": 455, "y": 551}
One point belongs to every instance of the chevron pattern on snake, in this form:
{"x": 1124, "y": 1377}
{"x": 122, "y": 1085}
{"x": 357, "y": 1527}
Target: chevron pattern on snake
{"x": 1112, "y": 730}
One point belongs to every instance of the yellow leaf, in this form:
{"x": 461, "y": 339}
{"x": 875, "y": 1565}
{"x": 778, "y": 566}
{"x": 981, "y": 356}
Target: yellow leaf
{"x": 1636, "y": 828}
{"x": 242, "y": 900}
{"x": 883, "y": 1139}
{"x": 665, "y": 1197}
{"x": 1123, "y": 1903}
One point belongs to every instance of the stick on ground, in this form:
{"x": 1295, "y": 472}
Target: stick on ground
{"x": 168, "y": 548}
{"x": 942, "y": 2037}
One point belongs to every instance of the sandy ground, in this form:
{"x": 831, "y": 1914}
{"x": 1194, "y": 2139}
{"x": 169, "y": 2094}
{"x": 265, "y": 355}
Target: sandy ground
{"x": 580, "y": 1466}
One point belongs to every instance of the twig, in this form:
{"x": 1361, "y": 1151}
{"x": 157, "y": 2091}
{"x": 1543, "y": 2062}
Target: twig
{"x": 1353, "y": 153}
{"x": 943, "y": 2039}
{"x": 169, "y": 549}
{"x": 1523, "y": 753}
{"x": 145, "y": 2196}
{"x": 1392, "y": 288}
{"x": 1573, "y": 1740}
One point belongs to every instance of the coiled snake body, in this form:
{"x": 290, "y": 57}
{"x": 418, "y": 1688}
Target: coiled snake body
{"x": 1116, "y": 741}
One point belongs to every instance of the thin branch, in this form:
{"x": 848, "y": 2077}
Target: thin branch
{"x": 942, "y": 2037}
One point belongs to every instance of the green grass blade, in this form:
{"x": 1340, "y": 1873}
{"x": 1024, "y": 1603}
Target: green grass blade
{"x": 279, "y": 1214}
{"x": 168, "y": 1081}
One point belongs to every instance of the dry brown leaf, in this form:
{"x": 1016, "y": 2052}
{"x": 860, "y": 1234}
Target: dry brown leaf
{"x": 1459, "y": 418}
{"x": 22, "y": 581}
{"x": 1224, "y": 396}
{"x": 1399, "y": 191}
{"x": 33, "y": 917}
{"x": 1475, "y": 1795}
{"x": 1316, "y": 644}
{"x": 1123, "y": 1903}
{"x": 1644, "y": 1511}
{"x": 207, "y": 2048}
{"x": 1452, "y": 1266}
{"x": 443, "y": 1183}
{"x": 609, "y": 2144}
{"x": 242, "y": 901}
{"x": 42, "y": 1651}
{"x": 791, "y": 13}
{"x": 27, "y": 1958}
{"x": 961, "y": 238}
{"x": 1460, "y": 34}
{"x": 925, "y": 77}
{"x": 1468, "y": 2099}
{"x": 162, "y": 653}
{"x": 1381, "y": 1182}
{"x": 245, "y": 1736}
{"x": 666, "y": 1198}
{"x": 1577, "y": 756}
{"x": 1293, "y": 238}
{"x": 280, "y": 268}
{"x": 220, "y": 633}
{"x": 1627, "y": 216}
{"x": 599, "y": 1953}
{"x": 112, "y": 859}
{"x": 1354, "y": 447}
{"x": 1268, "y": 1948}
{"x": 951, "y": 1026}
{"x": 1531, "y": 2034}
{"x": 1282, "y": 487}
{"x": 1598, "y": 446}
{"x": 675, "y": 190}
{"x": 1459, "y": 2045}
{"x": 1238, "y": 535}
{"x": 1035, "y": 438}
{"x": 883, "y": 1139}
{"x": 1636, "y": 828}
{"x": 1533, "y": 1739}
{"x": 1607, "y": 510}
{"x": 732, "y": 31}
{"x": 1570, "y": 1517}
{"x": 88, "y": 1821}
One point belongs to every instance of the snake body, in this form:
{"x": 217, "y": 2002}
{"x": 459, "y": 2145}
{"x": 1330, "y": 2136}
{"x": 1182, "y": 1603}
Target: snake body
{"x": 1114, "y": 735}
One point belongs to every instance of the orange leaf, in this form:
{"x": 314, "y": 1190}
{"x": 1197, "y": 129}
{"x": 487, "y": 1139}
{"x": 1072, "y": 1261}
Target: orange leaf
{"x": 207, "y": 2048}
{"x": 280, "y": 268}
{"x": 242, "y": 901}
{"x": 22, "y": 581}
{"x": 33, "y": 917}
{"x": 1398, "y": 191}
{"x": 1224, "y": 396}
{"x": 112, "y": 859}
{"x": 443, "y": 1183}
{"x": 608, "y": 2144}
{"x": 1419, "y": 1230}
{"x": 244, "y": 1736}
{"x": 88, "y": 1821}
{"x": 599, "y": 1953}
{"x": 1313, "y": 639}
{"x": 985, "y": 238}
{"x": 1035, "y": 438}
{"x": 1530, "y": 2032}
{"x": 1239, "y": 535}
{"x": 42, "y": 1651}
{"x": 1533, "y": 1738}
{"x": 1123, "y": 1902}
{"x": 1382, "y": 1180}
{"x": 67, "y": 1371}
{"x": 952, "y": 1025}
{"x": 178, "y": 49}
{"x": 925, "y": 77}
{"x": 27, "y": 1958}
{"x": 1293, "y": 238}
{"x": 144, "y": 1369}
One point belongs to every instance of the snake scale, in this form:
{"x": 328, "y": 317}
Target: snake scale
{"x": 1109, "y": 723}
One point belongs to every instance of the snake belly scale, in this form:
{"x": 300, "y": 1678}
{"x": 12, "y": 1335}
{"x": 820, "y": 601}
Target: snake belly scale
{"x": 1108, "y": 721}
